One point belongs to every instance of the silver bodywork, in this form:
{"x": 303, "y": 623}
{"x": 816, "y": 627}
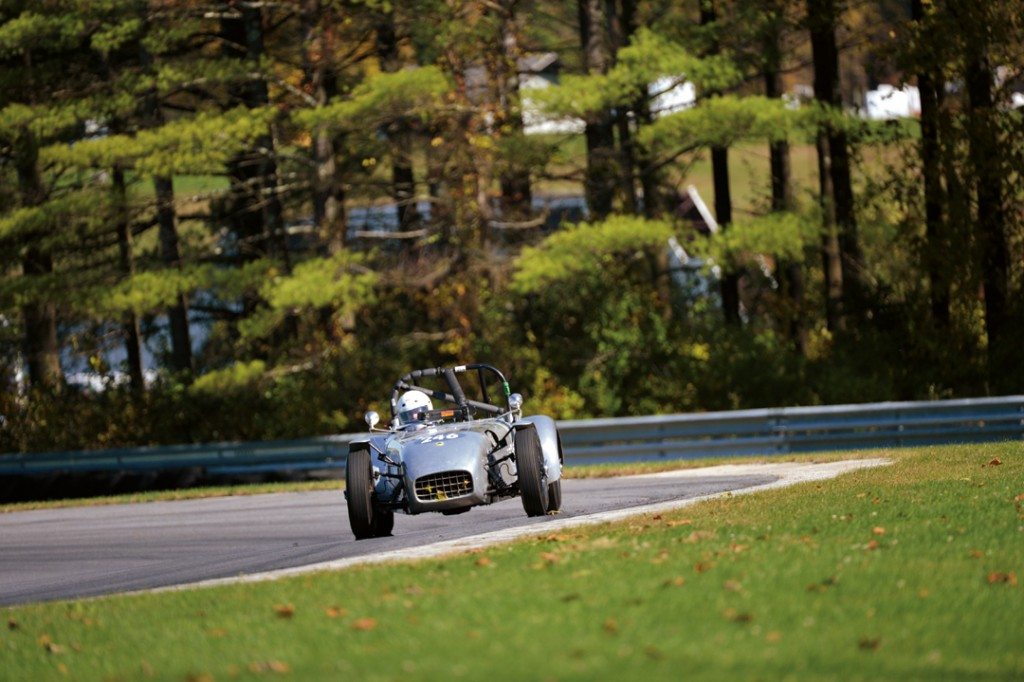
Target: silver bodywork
{"x": 483, "y": 448}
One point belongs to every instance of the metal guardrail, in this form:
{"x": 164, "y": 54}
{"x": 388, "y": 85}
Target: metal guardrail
{"x": 769, "y": 431}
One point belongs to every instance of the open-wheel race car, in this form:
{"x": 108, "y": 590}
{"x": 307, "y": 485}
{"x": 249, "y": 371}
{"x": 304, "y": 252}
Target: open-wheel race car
{"x": 467, "y": 452}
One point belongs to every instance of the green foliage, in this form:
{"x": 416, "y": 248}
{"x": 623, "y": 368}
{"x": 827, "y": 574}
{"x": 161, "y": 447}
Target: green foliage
{"x": 409, "y": 92}
{"x": 241, "y": 376}
{"x": 195, "y": 146}
{"x": 785, "y": 235}
{"x": 584, "y": 251}
{"x": 648, "y": 58}
{"x": 725, "y": 121}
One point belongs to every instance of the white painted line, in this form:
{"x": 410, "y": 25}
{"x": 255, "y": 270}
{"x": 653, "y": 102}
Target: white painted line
{"x": 789, "y": 473}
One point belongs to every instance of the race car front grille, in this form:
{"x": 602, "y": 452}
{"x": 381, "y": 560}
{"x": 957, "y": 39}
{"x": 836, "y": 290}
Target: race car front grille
{"x": 444, "y": 486}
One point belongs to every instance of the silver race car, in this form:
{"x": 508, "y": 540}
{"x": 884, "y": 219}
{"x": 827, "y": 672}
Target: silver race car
{"x": 448, "y": 460}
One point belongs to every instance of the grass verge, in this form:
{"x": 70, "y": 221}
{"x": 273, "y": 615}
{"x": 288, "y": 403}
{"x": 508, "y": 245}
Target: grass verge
{"x": 904, "y": 572}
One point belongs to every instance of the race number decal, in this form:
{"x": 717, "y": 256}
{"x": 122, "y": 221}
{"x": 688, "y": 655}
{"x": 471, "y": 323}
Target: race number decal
{"x": 439, "y": 437}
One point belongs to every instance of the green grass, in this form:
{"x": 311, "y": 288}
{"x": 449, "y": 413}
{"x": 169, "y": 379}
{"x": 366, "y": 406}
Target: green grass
{"x": 903, "y": 572}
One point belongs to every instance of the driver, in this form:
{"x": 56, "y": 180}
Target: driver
{"x": 411, "y": 408}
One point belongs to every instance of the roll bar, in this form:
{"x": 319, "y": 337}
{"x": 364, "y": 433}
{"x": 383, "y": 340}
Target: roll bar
{"x": 457, "y": 395}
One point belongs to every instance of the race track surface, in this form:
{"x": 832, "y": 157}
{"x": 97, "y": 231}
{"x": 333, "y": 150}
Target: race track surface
{"x": 88, "y": 551}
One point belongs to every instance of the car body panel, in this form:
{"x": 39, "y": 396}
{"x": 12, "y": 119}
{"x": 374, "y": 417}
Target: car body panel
{"x": 549, "y": 444}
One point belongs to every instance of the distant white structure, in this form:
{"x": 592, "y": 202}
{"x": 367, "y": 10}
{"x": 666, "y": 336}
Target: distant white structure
{"x": 889, "y": 102}
{"x": 536, "y": 72}
{"x": 669, "y": 95}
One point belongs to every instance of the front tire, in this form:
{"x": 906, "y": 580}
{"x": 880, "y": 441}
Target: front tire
{"x": 555, "y": 487}
{"x": 365, "y": 519}
{"x": 533, "y": 484}
{"x": 554, "y": 496}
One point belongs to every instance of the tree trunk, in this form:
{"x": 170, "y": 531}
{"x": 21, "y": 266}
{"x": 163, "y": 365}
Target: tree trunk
{"x": 40, "y": 345}
{"x": 821, "y": 19}
{"x": 329, "y": 215}
{"x": 255, "y": 209}
{"x": 516, "y": 191}
{"x": 832, "y": 263}
{"x": 985, "y": 155}
{"x": 167, "y": 222}
{"x": 177, "y": 314}
{"x": 790, "y": 273}
{"x": 126, "y": 259}
{"x": 601, "y": 172}
{"x": 930, "y": 86}
{"x": 723, "y": 198}
{"x": 403, "y": 180}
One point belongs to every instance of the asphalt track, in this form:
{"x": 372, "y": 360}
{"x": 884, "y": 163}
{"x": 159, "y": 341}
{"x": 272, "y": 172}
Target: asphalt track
{"x": 88, "y": 551}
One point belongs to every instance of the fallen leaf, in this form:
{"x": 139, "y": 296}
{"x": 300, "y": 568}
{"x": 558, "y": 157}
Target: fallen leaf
{"x": 660, "y": 559}
{"x": 550, "y": 558}
{"x": 737, "y": 548}
{"x": 977, "y": 554}
{"x": 871, "y": 546}
{"x": 773, "y": 636}
{"x": 703, "y": 566}
{"x": 217, "y": 632}
{"x": 738, "y": 616}
{"x": 279, "y": 667}
{"x": 677, "y": 581}
{"x": 869, "y": 643}
{"x": 483, "y": 562}
{"x": 997, "y": 577}
{"x": 335, "y": 612}
{"x": 284, "y": 610}
{"x": 698, "y": 535}
{"x": 199, "y": 677}
{"x": 653, "y": 653}
{"x": 556, "y": 537}
{"x": 62, "y": 669}
{"x": 679, "y": 522}
{"x": 611, "y": 626}
{"x": 878, "y": 530}
{"x": 364, "y": 624}
{"x": 923, "y": 593}
{"x": 604, "y": 542}
{"x": 732, "y": 585}
{"x": 823, "y": 585}
{"x": 995, "y": 462}
{"x": 656, "y": 517}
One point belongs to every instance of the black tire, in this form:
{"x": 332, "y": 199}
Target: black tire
{"x": 555, "y": 487}
{"x": 533, "y": 484}
{"x": 554, "y": 496}
{"x": 365, "y": 520}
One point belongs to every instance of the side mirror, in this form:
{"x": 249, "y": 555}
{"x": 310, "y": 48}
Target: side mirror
{"x": 371, "y": 418}
{"x": 515, "y": 402}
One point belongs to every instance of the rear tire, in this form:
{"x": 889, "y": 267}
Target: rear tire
{"x": 533, "y": 484}
{"x": 365, "y": 519}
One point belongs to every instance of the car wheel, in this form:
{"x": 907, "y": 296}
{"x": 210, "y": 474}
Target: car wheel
{"x": 554, "y": 496}
{"x": 533, "y": 484}
{"x": 555, "y": 487}
{"x": 365, "y": 520}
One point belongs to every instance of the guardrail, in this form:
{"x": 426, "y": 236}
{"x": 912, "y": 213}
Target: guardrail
{"x": 770, "y": 431}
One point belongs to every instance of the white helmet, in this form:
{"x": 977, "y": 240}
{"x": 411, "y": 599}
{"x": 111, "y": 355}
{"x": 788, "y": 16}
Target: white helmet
{"x": 411, "y": 405}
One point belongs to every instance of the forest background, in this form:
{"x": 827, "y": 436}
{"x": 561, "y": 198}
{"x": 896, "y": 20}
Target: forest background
{"x": 178, "y": 181}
